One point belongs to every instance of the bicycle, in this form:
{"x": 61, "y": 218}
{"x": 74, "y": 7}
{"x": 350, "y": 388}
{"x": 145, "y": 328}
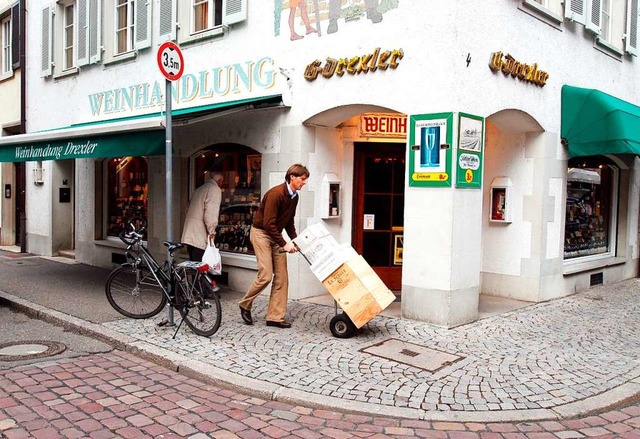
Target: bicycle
{"x": 142, "y": 287}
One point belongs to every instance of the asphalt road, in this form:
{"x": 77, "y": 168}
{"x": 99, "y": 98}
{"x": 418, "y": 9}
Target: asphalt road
{"x": 18, "y": 332}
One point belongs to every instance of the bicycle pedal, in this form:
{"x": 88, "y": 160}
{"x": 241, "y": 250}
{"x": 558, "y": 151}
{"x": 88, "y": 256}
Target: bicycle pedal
{"x": 164, "y": 322}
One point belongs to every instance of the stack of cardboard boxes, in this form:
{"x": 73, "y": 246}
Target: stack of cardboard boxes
{"x": 346, "y": 275}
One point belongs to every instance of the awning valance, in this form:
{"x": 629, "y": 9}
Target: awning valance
{"x": 132, "y": 138}
{"x": 595, "y": 123}
{"x": 142, "y": 136}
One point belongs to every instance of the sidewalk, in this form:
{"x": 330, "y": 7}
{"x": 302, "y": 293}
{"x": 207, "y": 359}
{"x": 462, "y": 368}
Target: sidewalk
{"x": 553, "y": 360}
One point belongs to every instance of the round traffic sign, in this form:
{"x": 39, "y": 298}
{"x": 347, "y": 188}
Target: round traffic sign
{"x": 170, "y": 61}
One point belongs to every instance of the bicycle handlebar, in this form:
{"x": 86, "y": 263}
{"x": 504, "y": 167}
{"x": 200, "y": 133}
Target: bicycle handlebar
{"x": 133, "y": 231}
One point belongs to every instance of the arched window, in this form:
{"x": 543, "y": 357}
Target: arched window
{"x": 241, "y": 167}
{"x": 592, "y": 208}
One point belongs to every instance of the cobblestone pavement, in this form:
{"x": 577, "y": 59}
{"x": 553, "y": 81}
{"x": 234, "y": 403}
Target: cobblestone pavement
{"x": 117, "y": 394}
{"x": 548, "y": 356}
{"x": 550, "y": 361}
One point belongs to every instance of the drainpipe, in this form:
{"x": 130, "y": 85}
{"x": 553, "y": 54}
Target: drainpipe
{"x": 23, "y": 114}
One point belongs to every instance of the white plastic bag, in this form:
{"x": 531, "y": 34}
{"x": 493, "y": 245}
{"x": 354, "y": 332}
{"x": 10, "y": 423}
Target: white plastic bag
{"x": 212, "y": 258}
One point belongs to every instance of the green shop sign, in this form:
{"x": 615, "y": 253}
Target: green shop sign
{"x": 139, "y": 143}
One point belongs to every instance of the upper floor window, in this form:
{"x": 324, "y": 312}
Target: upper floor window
{"x": 5, "y": 41}
{"x": 615, "y": 23}
{"x": 125, "y": 22}
{"x": 193, "y": 20}
{"x": 69, "y": 35}
{"x": 206, "y": 14}
{"x": 548, "y": 10}
{"x": 605, "y": 20}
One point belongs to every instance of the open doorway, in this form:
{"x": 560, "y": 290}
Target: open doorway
{"x": 378, "y": 225}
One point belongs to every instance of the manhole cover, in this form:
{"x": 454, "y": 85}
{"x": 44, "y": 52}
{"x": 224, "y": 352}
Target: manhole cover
{"x": 28, "y": 350}
{"x": 412, "y": 354}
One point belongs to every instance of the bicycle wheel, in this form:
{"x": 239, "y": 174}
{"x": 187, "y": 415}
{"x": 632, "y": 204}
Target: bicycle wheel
{"x": 200, "y": 307}
{"x": 134, "y": 292}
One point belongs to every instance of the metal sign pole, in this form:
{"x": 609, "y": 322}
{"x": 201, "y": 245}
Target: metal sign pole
{"x": 171, "y": 65}
{"x": 169, "y": 183}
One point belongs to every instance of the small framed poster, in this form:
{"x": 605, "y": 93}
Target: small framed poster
{"x": 469, "y": 153}
{"x": 398, "y": 246}
{"x": 430, "y": 137}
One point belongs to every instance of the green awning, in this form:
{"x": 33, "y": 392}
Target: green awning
{"x": 135, "y": 138}
{"x": 595, "y": 123}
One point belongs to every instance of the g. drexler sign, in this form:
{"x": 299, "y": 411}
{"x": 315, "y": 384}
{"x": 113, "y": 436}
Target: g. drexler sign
{"x": 509, "y": 66}
{"x": 354, "y": 65}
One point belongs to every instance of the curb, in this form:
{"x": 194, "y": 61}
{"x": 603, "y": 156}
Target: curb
{"x": 222, "y": 378}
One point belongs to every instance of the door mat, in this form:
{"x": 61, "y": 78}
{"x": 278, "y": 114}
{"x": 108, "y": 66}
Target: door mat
{"x": 412, "y": 354}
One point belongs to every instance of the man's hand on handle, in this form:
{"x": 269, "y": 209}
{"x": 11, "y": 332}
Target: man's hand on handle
{"x": 290, "y": 247}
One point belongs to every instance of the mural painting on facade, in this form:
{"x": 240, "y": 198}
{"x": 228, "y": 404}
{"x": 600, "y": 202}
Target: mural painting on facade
{"x": 324, "y": 17}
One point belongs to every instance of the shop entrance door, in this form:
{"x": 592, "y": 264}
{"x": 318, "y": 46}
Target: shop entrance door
{"x": 20, "y": 216}
{"x": 378, "y": 222}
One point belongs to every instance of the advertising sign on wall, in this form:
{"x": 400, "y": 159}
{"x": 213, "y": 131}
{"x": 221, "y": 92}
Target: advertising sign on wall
{"x": 430, "y": 138}
{"x": 469, "y": 156}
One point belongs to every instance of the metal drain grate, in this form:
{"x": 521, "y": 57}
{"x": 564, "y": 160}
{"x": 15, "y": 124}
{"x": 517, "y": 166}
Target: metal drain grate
{"x": 412, "y": 354}
{"x": 29, "y": 349}
{"x": 409, "y": 353}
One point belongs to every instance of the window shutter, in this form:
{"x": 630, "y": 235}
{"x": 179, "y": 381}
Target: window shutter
{"x": 143, "y": 24}
{"x": 47, "y": 41}
{"x": 574, "y": 10}
{"x": 594, "y": 13}
{"x": 83, "y": 34}
{"x": 15, "y": 36}
{"x": 95, "y": 31}
{"x": 168, "y": 17}
{"x": 631, "y": 37}
{"x": 234, "y": 11}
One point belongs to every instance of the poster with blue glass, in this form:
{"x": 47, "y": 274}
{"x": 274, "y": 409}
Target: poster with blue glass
{"x": 430, "y": 145}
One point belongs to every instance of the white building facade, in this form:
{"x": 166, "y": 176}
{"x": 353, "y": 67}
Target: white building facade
{"x": 11, "y": 117}
{"x": 463, "y": 148}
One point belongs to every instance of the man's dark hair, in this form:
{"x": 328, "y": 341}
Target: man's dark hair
{"x": 296, "y": 170}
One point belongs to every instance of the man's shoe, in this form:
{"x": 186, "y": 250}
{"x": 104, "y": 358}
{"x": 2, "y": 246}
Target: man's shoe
{"x": 282, "y": 324}
{"x": 246, "y": 316}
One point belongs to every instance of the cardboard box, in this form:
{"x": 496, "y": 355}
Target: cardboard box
{"x": 358, "y": 290}
{"x": 322, "y": 251}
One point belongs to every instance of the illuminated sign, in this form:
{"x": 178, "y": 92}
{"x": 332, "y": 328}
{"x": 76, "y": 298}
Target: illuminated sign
{"x": 392, "y": 125}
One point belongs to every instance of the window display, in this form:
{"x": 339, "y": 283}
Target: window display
{"x": 127, "y": 191}
{"x": 241, "y": 167}
{"x": 590, "y": 202}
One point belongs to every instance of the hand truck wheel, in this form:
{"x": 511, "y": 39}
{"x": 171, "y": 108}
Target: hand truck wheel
{"x": 342, "y": 327}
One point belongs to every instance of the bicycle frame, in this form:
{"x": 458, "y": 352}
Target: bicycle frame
{"x": 159, "y": 274}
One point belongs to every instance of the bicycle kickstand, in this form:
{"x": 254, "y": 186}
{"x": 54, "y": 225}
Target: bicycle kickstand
{"x": 179, "y": 324}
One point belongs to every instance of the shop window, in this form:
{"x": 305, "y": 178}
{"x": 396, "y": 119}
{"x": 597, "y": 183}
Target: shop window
{"x": 241, "y": 167}
{"x": 592, "y": 193}
{"x": 127, "y": 192}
